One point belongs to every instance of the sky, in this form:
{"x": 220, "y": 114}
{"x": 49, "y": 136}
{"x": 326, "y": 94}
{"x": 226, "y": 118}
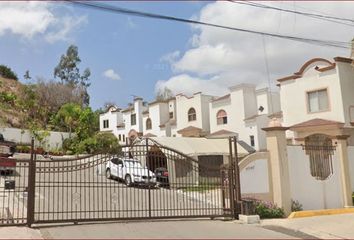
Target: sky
{"x": 132, "y": 56}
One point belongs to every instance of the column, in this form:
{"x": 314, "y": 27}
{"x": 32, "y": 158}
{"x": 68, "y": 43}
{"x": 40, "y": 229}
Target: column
{"x": 278, "y": 166}
{"x": 342, "y": 151}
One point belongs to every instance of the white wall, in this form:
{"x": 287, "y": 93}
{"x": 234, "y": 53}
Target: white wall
{"x": 201, "y": 105}
{"x": 254, "y": 177}
{"x": 346, "y": 75}
{"x": 53, "y": 141}
{"x": 293, "y": 96}
{"x": 312, "y": 193}
{"x": 351, "y": 164}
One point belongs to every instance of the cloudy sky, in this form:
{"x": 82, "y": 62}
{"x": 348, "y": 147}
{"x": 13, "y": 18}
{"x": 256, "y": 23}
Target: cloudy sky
{"x": 129, "y": 55}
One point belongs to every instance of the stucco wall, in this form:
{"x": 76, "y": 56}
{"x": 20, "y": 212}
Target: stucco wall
{"x": 346, "y": 74}
{"x": 53, "y": 141}
{"x": 200, "y": 103}
{"x": 312, "y": 193}
{"x": 351, "y": 165}
{"x": 293, "y": 96}
{"x": 254, "y": 178}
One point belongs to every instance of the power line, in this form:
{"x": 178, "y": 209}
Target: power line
{"x": 329, "y": 18}
{"x": 125, "y": 11}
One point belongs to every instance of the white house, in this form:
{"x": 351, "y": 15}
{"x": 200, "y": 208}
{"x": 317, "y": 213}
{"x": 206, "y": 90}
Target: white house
{"x": 243, "y": 112}
{"x": 192, "y": 115}
{"x": 319, "y": 96}
{"x": 110, "y": 119}
{"x": 158, "y": 118}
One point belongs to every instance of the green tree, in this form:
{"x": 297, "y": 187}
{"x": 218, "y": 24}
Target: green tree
{"x": 67, "y": 118}
{"x": 6, "y": 72}
{"x": 69, "y": 73}
{"x": 67, "y": 69}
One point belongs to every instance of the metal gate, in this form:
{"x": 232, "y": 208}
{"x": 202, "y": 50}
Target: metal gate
{"x": 159, "y": 183}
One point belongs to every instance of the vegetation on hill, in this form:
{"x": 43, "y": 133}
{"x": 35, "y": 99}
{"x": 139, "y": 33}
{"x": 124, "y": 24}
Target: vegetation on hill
{"x": 6, "y": 72}
{"x": 55, "y": 105}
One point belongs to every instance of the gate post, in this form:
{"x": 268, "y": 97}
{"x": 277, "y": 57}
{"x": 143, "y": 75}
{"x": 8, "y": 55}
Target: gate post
{"x": 149, "y": 187}
{"x": 234, "y": 179}
{"x": 31, "y": 187}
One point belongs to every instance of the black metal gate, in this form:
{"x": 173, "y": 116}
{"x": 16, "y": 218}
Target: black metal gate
{"x": 145, "y": 181}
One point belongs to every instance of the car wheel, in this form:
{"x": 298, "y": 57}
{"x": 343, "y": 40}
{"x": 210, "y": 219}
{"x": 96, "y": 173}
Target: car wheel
{"x": 128, "y": 180}
{"x": 108, "y": 174}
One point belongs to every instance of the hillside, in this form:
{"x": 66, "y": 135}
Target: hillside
{"x": 10, "y": 114}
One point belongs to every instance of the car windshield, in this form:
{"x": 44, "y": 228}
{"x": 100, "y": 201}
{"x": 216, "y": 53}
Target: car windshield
{"x": 134, "y": 164}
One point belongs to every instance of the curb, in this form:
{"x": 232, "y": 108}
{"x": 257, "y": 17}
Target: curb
{"x": 312, "y": 213}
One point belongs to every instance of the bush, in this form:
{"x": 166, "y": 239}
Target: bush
{"x": 296, "y": 206}
{"x": 23, "y": 149}
{"x": 6, "y": 72}
{"x": 99, "y": 143}
{"x": 268, "y": 210}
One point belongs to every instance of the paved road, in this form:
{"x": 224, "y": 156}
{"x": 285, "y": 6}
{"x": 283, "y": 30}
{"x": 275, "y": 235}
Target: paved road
{"x": 163, "y": 229}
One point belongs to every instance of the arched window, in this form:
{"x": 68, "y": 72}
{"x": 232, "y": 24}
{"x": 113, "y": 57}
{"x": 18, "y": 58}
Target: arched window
{"x": 148, "y": 124}
{"x": 221, "y": 117}
{"x": 192, "y": 116}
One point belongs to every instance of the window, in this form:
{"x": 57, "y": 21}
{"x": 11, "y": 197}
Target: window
{"x": 221, "y": 117}
{"x": 105, "y": 124}
{"x": 120, "y": 137}
{"x": 133, "y": 119}
{"x": 192, "y": 116}
{"x": 123, "y": 138}
{"x": 148, "y": 124}
{"x": 252, "y": 141}
{"x": 317, "y": 100}
{"x": 171, "y": 115}
{"x": 115, "y": 160}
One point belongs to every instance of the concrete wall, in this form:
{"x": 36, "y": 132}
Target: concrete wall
{"x": 254, "y": 178}
{"x": 351, "y": 164}
{"x": 312, "y": 193}
{"x": 53, "y": 141}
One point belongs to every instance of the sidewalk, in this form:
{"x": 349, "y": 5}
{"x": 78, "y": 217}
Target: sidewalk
{"x": 329, "y": 227}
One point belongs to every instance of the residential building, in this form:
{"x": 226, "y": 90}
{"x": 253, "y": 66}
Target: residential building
{"x": 157, "y": 119}
{"x": 110, "y": 119}
{"x": 243, "y": 112}
{"x": 318, "y": 98}
{"x": 192, "y": 115}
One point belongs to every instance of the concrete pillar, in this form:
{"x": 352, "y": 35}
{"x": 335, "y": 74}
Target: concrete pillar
{"x": 342, "y": 150}
{"x": 279, "y": 182}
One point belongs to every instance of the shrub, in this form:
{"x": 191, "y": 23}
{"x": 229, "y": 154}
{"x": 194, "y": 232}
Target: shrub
{"x": 99, "y": 143}
{"x": 6, "y": 72}
{"x": 268, "y": 210}
{"x": 296, "y": 206}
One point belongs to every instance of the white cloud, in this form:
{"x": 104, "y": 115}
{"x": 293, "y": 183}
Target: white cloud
{"x": 111, "y": 74}
{"x": 67, "y": 26}
{"x": 230, "y": 57}
{"x": 32, "y": 18}
{"x": 170, "y": 57}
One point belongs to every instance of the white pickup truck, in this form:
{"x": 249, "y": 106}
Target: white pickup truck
{"x": 131, "y": 171}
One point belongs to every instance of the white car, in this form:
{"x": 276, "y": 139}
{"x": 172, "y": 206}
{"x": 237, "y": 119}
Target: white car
{"x": 131, "y": 171}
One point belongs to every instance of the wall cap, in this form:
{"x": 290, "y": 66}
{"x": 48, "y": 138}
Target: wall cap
{"x": 268, "y": 129}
